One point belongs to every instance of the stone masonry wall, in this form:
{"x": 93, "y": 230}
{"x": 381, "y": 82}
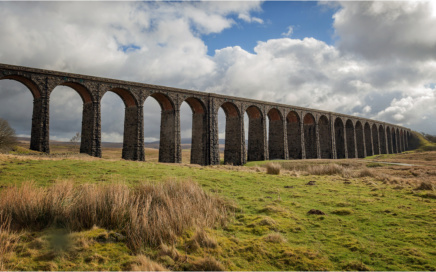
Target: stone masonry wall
{"x": 335, "y": 136}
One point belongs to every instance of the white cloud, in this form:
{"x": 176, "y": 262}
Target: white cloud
{"x": 289, "y": 32}
{"x": 382, "y": 66}
{"x": 381, "y": 30}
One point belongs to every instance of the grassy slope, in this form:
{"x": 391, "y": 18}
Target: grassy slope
{"x": 423, "y": 143}
{"x": 368, "y": 223}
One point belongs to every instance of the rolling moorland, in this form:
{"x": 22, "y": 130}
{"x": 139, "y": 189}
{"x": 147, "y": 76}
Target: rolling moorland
{"x": 69, "y": 211}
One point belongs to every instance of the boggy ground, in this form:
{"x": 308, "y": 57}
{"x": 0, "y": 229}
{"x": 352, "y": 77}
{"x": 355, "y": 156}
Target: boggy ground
{"x": 374, "y": 216}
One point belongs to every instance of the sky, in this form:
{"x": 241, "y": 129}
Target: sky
{"x": 371, "y": 59}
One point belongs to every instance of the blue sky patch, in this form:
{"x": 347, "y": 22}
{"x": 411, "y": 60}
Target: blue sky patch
{"x": 129, "y": 48}
{"x": 307, "y": 19}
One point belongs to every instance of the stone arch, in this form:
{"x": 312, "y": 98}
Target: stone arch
{"x": 164, "y": 101}
{"x": 169, "y": 136}
{"x": 126, "y": 96}
{"x": 87, "y": 141}
{"x": 293, "y": 128}
{"x": 360, "y": 140}
{"x": 84, "y": 93}
{"x": 403, "y": 140}
{"x": 39, "y": 130}
{"x": 389, "y": 140}
{"x": 276, "y": 141}
{"x": 368, "y": 141}
{"x": 132, "y": 146}
{"x": 351, "y": 145}
{"x": 256, "y": 134}
{"x": 375, "y": 140}
{"x": 383, "y": 142}
{"x": 234, "y": 142}
{"x": 29, "y": 83}
{"x": 199, "y": 131}
{"x": 340, "y": 138}
{"x": 394, "y": 141}
{"x": 399, "y": 142}
{"x": 230, "y": 109}
{"x": 310, "y": 145}
{"x": 325, "y": 137}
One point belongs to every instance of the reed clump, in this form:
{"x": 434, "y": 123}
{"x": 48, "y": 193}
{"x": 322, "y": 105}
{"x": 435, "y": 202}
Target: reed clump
{"x": 325, "y": 169}
{"x": 273, "y": 168}
{"x": 148, "y": 213}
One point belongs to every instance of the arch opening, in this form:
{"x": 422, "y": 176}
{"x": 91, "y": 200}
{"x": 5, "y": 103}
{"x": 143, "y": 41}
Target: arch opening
{"x": 351, "y": 145}
{"x": 310, "y": 136}
{"x": 125, "y": 95}
{"x": 194, "y": 128}
{"x": 402, "y": 140}
{"x": 399, "y": 148}
{"x": 234, "y": 135}
{"x": 394, "y": 141}
{"x": 33, "y": 88}
{"x": 152, "y": 123}
{"x": 17, "y": 108}
{"x": 112, "y": 125}
{"x": 340, "y": 138}
{"x": 375, "y": 140}
{"x": 389, "y": 140}
{"x": 162, "y": 133}
{"x": 360, "y": 144}
{"x": 167, "y": 105}
{"x": 325, "y": 138}
{"x": 256, "y": 134}
{"x": 293, "y": 129}
{"x": 80, "y": 89}
{"x": 368, "y": 141}
{"x": 276, "y": 141}
{"x": 68, "y": 118}
{"x": 382, "y": 137}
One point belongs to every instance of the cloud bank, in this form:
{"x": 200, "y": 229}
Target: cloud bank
{"x": 382, "y": 65}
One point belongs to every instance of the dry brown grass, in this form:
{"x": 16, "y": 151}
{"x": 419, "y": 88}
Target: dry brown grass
{"x": 203, "y": 239}
{"x": 273, "y": 168}
{"x": 325, "y": 169}
{"x": 365, "y": 172}
{"x": 149, "y": 213}
{"x": 207, "y": 264}
{"x": 426, "y": 185}
{"x": 170, "y": 251}
{"x": 143, "y": 263}
{"x": 8, "y": 240}
{"x": 275, "y": 237}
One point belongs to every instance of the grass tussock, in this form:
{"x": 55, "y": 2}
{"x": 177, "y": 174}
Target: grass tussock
{"x": 275, "y": 237}
{"x": 426, "y": 185}
{"x": 204, "y": 240}
{"x": 143, "y": 263}
{"x": 147, "y": 213}
{"x": 325, "y": 169}
{"x": 365, "y": 172}
{"x": 208, "y": 264}
{"x": 8, "y": 240}
{"x": 273, "y": 168}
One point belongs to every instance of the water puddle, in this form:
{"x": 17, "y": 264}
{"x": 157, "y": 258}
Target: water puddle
{"x": 396, "y": 163}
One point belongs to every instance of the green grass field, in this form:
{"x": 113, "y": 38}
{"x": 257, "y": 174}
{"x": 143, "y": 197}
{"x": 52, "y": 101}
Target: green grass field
{"x": 375, "y": 221}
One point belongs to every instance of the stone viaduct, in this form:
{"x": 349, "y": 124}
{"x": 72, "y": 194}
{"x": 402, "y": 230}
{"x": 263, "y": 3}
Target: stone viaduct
{"x": 294, "y": 132}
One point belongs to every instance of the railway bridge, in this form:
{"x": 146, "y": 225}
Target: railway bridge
{"x": 294, "y": 132}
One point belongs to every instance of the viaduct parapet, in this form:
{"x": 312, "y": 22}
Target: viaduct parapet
{"x": 294, "y": 132}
